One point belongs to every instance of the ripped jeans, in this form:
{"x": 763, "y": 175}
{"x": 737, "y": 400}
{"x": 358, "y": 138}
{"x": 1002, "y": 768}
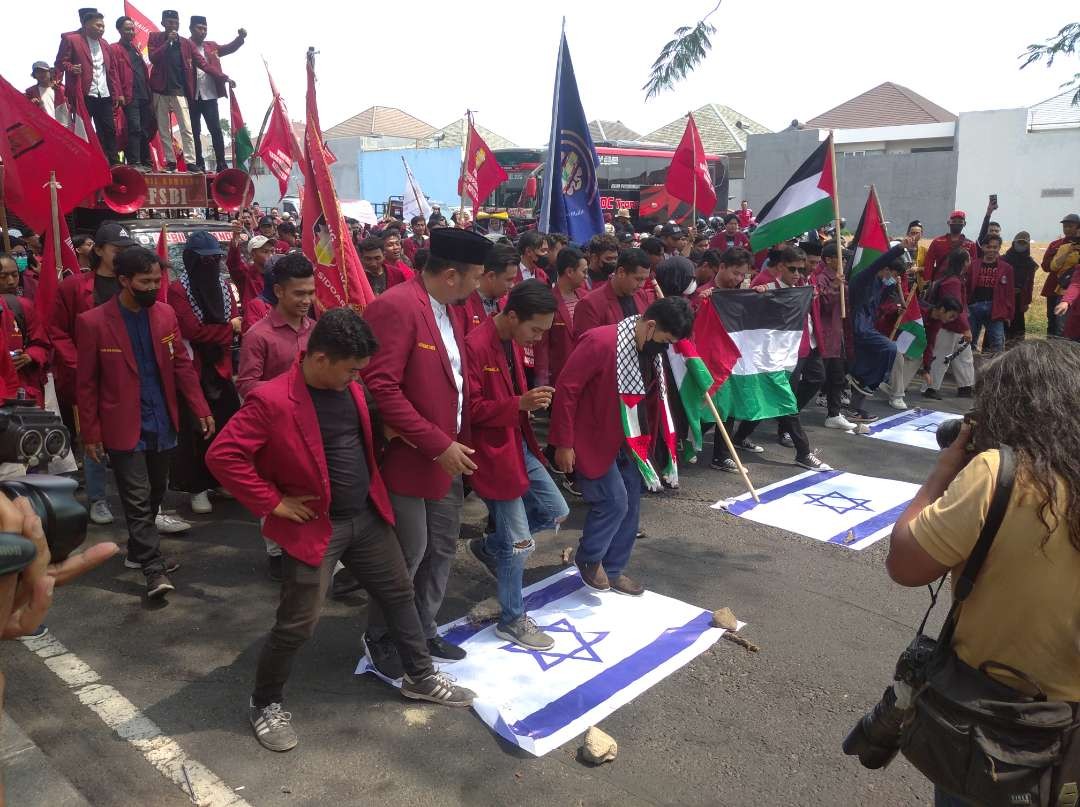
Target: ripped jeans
{"x": 541, "y": 507}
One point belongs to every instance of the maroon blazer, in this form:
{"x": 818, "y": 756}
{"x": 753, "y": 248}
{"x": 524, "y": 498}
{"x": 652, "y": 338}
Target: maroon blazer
{"x": 33, "y": 341}
{"x": 213, "y": 53}
{"x": 195, "y": 331}
{"x": 74, "y": 50}
{"x": 601, "y": 307}
{"x": 497, "y": 424}
{"x": 412, "y": 382}
{"x": 108, "y": 376}
{"x": 266, "y": 452}
{"x": 125, "y": 75}
{"x": 1004, "y": 299}
{"x": 588, "y": 397}
{"x": 189, "y": 59}
{"x": 1071, "y": 295}
{"x": 955, "y": 287}
{"x": 74, "y": 296}
{"x": 60, "y": 97}
{"x": 397, "y": 273}
{"x": 551, "y": 353}
{"x": 828, "y": 325}
{"x": 473, "y": 314}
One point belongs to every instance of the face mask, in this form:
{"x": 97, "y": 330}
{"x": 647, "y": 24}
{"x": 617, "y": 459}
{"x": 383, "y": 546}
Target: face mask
{"x": 145, "y": 298}
{"x": 651, "y": 348}
{"x": 542, "y": 261}
{"x": 889, "y": 281}
{"x": 956, "y": 228}
{"x": 1020, "y": 247}
{"x": 22, "y": 262}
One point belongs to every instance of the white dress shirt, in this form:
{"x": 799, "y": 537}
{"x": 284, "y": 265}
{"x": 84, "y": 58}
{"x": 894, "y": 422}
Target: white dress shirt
{"x": 205, "y": 88}
{"x": 446, "y": 333}
{"x": 99, "y": 84}
{"x": 526, "y": 272}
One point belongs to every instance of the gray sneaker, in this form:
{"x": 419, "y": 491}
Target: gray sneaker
{"x": 100, "y": 512}
{"x": 273, "y": 727}
{"x": 437, "y": 687}
{"x": 524, "y": 632}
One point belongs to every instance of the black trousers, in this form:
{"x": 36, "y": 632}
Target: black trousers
{"x": 208, "y": 111}
{"x": 1055, "y": 325}
{"x": 141, "y": 125}
{"x": 189, "y": 471}
{"x": 141, "y": 477}
{"x": 1017, "y": 329}
{"x": 789, "y": 424}
{"x": 368, "y": 548}
{"x": 101, "y": 111}
{"x": 808, "y": 378}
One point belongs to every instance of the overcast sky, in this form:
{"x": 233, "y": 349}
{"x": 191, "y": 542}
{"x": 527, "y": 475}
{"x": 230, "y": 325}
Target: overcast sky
{"x": 772, "y": 60}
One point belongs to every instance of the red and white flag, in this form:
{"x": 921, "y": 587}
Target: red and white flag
{"x": 480, "y": 171}
{"x": 688, "y": 177}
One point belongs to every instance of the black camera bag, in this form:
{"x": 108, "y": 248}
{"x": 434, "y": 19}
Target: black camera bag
{"x": 977, "y": 738}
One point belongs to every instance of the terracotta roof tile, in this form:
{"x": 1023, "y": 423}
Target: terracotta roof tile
{"x": 887, "y": 104}
{"x": 387, "y": 121}
{"x": 606, "y": 130}
{"x": 723, "y": 130}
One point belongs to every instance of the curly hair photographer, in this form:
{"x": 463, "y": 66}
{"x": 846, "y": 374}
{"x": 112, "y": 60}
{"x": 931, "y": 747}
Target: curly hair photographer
{"x": 1020, "y": 624}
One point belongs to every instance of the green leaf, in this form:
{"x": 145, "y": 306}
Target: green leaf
{"x": 680, "y": 56}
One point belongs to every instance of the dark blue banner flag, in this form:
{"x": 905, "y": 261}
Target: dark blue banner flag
{"x": 571, "y": 203}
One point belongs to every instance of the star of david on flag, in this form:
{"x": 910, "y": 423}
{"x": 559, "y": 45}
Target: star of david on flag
{"x": 834, "y": 507}
{"x": 581, "y": 649}
{"x": 916, "y": 427}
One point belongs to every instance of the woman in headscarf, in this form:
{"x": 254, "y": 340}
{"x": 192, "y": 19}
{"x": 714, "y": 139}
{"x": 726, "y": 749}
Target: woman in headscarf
{"x": 1024, "y": 267}
{"x": 209, "y": 319}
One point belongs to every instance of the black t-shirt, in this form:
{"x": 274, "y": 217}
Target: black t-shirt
{"x": 508, "y": 349}
{"x": 174, "y": 76}
{"x": 105, "y": 288}
{"x": 346, "y": 462}
{"x": 628, "y": 305}
{"x": 377, "y": 282}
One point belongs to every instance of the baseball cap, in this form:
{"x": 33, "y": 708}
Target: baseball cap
{"x": 113, "y": 232}
{"x": 669, "y": 230}
{"x": 622, "y": 213}
{"x": 1023, "y": 236}
{"x": 958, "y": 214}
{"x": 202, "y": 243}
{"x": 1071, "y": 218}
{"x": 267, "y": 220}
{"x": 258, "y": 242}
{"x": 40, "y": 66}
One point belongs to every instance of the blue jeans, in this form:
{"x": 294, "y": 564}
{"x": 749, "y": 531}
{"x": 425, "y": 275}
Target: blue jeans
{"x": 541, "y": 507}
{"x": 612, "y": 523}
{"x": 979, "y": 317}
{"x": 95, "y": 473}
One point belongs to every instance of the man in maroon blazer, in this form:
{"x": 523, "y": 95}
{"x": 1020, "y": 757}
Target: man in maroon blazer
{"x": 48, "y": 93}
{"x": 991, "y": 297}
{"x": 208, "y": 89}
{"x": 534, "y": 248}
{"x": 490, "y": 295}
{"x": 555, "y": 348}
{"x": 419, "y": 379}
{"x": 85, "y": 61}
{"x": 27, "y": 342}
{"x": 172, "y": 80}
{"x": 617, "y": 299}
{"x": 134, "y": 82}
{"x": 829, "y": 332}
{"x": 381, "y": 275}
{"x": 588, "y": 435}
{"x": 321, "y": 495}
{"x": 126, "y": 344}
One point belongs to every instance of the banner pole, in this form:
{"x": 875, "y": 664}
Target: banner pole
{"x": 466, "y": 122}
{"x": 693, "y": 175}
{"x": 3, "y": 213}
{"x": 836, "y": 224}
{"x": 55, "y": 204}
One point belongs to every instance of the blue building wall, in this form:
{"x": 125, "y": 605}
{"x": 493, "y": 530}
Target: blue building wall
{"x": 382, "y": 174}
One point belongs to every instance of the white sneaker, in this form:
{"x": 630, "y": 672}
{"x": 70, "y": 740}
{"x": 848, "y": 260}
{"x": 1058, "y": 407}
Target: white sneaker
{"x": 839, "y": 422}
{"x": 170, "y": 525}
{"x": 898, "y": 403}
{"x": 885, "y": 391}
{"x": 200, "y": 503}
{"x": 100, "y": 512}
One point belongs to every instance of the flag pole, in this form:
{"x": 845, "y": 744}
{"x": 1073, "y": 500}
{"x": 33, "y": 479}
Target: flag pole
{"x": 54, "y": 203}
{"x": 903, "y": 311}
{"x": 412, "y": 185}
{"x": 3, "y": 213}
{"x": 466, "y": 122}
{"x": 836, "y": 224}
{"x": 722, "y": 430}
{"x": 693, "y": 204}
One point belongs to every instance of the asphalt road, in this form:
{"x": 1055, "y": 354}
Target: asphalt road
{"x": 730, "y": 728}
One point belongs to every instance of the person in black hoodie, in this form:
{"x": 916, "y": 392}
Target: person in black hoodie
{"x": 1024, "y": 266}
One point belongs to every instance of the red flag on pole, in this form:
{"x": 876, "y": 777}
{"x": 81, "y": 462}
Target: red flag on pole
{"x": 278, "y": 148}
{"x": 144, "y": 26}
{"x": 339, "y": 280}
{"x": 38, "y": 145}
{"x": 481, "y": 172}
{"x": 688, "y": 177}
{"x": 163, "y": 255}
{"x": 48, "y": 281}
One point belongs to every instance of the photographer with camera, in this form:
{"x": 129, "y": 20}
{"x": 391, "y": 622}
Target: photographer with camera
{"x": 989, "y": 712}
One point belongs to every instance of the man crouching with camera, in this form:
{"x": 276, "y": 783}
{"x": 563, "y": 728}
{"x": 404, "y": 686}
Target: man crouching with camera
{"x": 989, "y": 712}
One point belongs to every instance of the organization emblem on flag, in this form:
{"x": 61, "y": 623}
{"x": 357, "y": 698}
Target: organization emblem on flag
{"x": 577, "y": 165}
{"x": 23, "y": 137}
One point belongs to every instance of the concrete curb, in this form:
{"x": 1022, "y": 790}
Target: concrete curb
{"x": 29, "y": 777}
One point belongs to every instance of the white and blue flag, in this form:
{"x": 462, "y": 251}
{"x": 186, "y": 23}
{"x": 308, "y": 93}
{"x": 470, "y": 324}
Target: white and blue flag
{"x": 834, "y": 507}
{"x": 916, "y": 427}
{"x": 608, "y": 649}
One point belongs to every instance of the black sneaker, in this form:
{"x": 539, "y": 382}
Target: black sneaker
{"x": 726, "y": 464}
{"x": 812, "y": 463}
{"x": 932, "y": 394}
{"x": 858, "y": 415}
{"x": 785, "y": 440}
{"x": 384, "y": 657}
{"x": 437, "y": 687}
{"x": 479, "y": 551}
{"x": 569, "y": 484}
{"x": 275, "y": 568}
{"x": 158, "y": 585}
{"x": 171, "y": 564}
{"x": 441, "y": 650}
{"x": 749, "y": 445}
{"x": 273, "y": 727}
{"x": 170, "y": 168}
{"x": 965, "y": 392}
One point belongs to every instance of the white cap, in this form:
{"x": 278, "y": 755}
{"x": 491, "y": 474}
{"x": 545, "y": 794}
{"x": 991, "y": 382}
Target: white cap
{"x": 258, "y": 242}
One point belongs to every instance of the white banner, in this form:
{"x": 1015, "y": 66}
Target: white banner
{"x": 414, "y": 202}
{"x": 608, "y": 649}
{"x": 834, "y": 507}
{"x": 916, "y": 427}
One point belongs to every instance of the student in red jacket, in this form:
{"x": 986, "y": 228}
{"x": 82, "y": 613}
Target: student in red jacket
{"x": 419, "y": 379}
{"x": 952, "y": 282}
{"x": 618, "y": 298}
{"x": 417, "y": 240}
{"x": 589, "y": 438}
{"x": 829, "y": 333}
{"x": 534, "y": 248}
{"x": 132, "y": 367}
{"x": 555, "y": 348}
{"x": 208, "y": 89}
{"x": 510, "y": 476}
{"x": 1051, "y": 290}
{"x": 731, "y": 236}
{"x": 991, "y": 296}
{"x": 490, "y": 295}
{"x": 397, "y": 270}
{"x": 940, "y": 247}
{"x": 134, "y": 81}
{"x": 381, "y": 275}
{"x": 248, "y": 274}
{"x": 48, "y": 93}
{"x": 27, "y": 341}
{"x": 86, "y": 60}
{"x": 322, "y": 498}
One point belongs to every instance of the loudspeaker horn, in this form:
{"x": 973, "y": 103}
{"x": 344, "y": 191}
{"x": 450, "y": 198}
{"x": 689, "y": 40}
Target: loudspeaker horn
{"x": 232, "y": 189}
{"x": 127, "y": 192}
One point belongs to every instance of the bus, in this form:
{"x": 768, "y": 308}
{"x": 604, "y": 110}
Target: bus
{"x": 630, "y": 175}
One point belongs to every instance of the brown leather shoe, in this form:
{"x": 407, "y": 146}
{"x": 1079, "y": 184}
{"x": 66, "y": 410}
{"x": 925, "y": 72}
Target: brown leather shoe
{"x": 593, "y": 575}
{"x": 627, "y": 585}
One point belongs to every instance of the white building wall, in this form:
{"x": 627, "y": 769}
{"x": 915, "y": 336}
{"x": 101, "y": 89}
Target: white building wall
{"x": 1036, "y": 175}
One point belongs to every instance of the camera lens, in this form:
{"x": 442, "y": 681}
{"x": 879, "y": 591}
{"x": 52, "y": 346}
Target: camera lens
{"x": 30, "y": 444}
{"x": 56, "y": 443}
{"x": 53, "y": 500}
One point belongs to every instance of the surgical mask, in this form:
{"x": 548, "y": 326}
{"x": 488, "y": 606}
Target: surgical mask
{"x": 651, "y": 348}
{"x": 145, "y": 297}
{"x": 22, "y": 261}
{"x": 889, "y": 281}
{"x": 542, "y": 261}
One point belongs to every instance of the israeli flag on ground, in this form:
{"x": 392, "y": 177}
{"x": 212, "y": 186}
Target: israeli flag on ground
{"x": 835, "y": 507}
{"x": 609, "y": 648}
{"x": 916, "y": 427}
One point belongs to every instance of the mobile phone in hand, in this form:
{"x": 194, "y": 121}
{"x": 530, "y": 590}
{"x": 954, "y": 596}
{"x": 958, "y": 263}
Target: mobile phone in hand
{"x": 993, "y": 199}
{"x": 16, "y": 553}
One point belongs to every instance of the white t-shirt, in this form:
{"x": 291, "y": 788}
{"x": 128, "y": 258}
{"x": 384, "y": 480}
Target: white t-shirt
{"x": 48, "y": 100}
{"x": 446, "y": 333}
{"x": 205, "y": 88}
{"x": 99, "y": 84}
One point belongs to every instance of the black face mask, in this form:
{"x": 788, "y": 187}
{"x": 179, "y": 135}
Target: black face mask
{"x": 651, "y": 348}
{"x": 145, "y": 298}
{"x": 542, "y": 261}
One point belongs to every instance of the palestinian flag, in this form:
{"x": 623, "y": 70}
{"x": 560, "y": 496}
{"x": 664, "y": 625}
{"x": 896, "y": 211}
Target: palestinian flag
{"x": 804, "y": 203}
{"x": 241, "y": 137}
{"x": 765, "y": 329}
{"x": 871, "y": 241}
{"x": 693, "y": 381}
{"x": 911, "y": 336}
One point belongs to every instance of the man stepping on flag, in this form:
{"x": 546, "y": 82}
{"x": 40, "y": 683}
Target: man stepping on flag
{"x": 915, "y": 337}
{"x": 614, "y": 377}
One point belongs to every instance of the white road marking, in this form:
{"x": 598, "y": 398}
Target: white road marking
{"x": 197, "y": 781}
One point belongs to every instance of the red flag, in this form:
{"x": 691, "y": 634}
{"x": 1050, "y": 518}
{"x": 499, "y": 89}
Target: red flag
{"x": 325, "y": 238}
{"x": 689, "y": 170}
{"x": 144, "y": 26}
{"x": 480, "y": 171}
{"x": 278, "y": 148}
{"x": 715, "y": 345}
{"x": 37, "y": 145}
{"x": 163, "y": 254}
{"x": 48, "y": 278}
